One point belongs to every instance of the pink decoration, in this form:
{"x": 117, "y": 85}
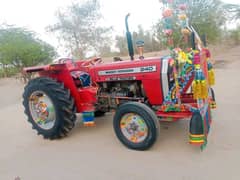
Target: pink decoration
{"x": 167, "y": 13}
{"x": 183, "y": 7}
{"x": 170, "y": 41}
{"x": 168, "y": 32}
{"x": 207, "y": 53}
{"x": 197, "y": 58}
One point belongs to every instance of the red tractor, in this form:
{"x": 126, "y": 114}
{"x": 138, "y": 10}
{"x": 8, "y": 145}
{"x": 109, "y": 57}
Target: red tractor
{"x": 142, "y": 92}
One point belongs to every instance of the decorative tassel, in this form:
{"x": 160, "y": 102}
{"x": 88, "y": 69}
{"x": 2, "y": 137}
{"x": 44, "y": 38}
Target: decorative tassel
{"x": 200, "y": 90}
{"x": 211, "y": 77}
{"x": 197, "y": 89}
{"x": 204, "y": 90}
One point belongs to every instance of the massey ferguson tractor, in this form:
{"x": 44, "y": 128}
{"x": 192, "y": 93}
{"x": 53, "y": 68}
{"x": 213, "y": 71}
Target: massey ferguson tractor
{"x": 141, "y": 92}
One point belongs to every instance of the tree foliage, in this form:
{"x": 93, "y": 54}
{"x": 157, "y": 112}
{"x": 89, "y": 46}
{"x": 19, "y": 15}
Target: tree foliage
{"x": 78, "y": 27}
{"x": 233, "y": 36}
{"x": 150, "y": 43}
{"x": 207, "y": 17}
{"x": 232, "y": 11}
{"x": 20, "y": 47}
{"x": 121, "y": 44}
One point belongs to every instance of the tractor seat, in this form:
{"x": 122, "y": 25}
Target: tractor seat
{"x": 81, "y": 79}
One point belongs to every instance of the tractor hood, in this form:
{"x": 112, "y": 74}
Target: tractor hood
{"x": 128, "y": 70}
{"x": 152, "y": 72}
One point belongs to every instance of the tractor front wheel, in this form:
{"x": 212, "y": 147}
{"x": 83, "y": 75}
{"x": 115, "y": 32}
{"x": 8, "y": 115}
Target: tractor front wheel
{"x": 49, "y": 107}
{"x": 136, "y": 125}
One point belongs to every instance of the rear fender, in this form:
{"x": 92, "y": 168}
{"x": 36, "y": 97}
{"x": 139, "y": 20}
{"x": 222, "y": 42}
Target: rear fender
{"x": 61, "y": 73}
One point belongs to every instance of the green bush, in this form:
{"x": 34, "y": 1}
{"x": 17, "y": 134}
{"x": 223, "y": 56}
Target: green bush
{"x": 8, "y": 72}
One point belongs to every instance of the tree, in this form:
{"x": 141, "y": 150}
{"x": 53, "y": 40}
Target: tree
{"x": 232, "y": 11}
{"x": 78, "y": 27}
{"x": 20, "y": 47}
{"x": 121, "y": 44}
{"x": 150, "y": 42}
{"x": 146, "y": 36}
{"x": 206, "y": 16}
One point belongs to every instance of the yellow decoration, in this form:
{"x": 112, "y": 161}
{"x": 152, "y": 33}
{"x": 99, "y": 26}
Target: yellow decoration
{"x": 200, "y": 90}
{"x": 182, "y": 57}
{"x": 185, "y": 31}
{"x": 204, "y": 90}
{"x": 196, "y": 90}
{"x": 182, "y": 16}
{"x": 211, "y": 77}
{"x": 197, "y": 66}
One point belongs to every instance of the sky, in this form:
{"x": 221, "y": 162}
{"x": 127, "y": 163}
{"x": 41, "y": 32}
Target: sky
{"x": 36, "y": 15}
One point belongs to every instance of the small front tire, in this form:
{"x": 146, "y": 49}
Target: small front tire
{"x": 136, "y": 125}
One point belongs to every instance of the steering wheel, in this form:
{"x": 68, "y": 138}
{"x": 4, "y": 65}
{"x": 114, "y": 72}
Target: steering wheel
{"x": 63, "y": 61}
{"x": 92, "y": 62}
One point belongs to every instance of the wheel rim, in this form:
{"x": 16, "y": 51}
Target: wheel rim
{"x": 42, "y": 110}
{"x": 133, "y": 127}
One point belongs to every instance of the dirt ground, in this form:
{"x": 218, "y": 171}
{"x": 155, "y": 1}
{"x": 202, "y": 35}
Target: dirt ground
{"x": 95, "y": 153}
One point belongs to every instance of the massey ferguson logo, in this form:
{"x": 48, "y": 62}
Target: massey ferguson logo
{"x": 143, "y": 69}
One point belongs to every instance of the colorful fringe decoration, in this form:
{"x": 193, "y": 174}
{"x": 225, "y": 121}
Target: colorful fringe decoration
{"x": 188, "y": 64}
{"x": 173, "y": 108}
{"x": 196, "y": 139}
{"x": 88, "y": 119}
{"x": 200, "y": 127}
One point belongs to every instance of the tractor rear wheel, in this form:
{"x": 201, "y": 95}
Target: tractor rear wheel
{"x": 49, "y": 107}
{"x": 136, "y": 125}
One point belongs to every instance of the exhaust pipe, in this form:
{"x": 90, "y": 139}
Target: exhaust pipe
{"x": 129, "y": 39}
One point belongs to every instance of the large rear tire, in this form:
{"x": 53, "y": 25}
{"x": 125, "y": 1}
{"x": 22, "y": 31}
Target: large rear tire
{"x": 136, "y": 125}
{"x": 49, "y": 107}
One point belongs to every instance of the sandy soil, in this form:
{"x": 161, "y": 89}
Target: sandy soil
{"x": 95, "y": 153}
